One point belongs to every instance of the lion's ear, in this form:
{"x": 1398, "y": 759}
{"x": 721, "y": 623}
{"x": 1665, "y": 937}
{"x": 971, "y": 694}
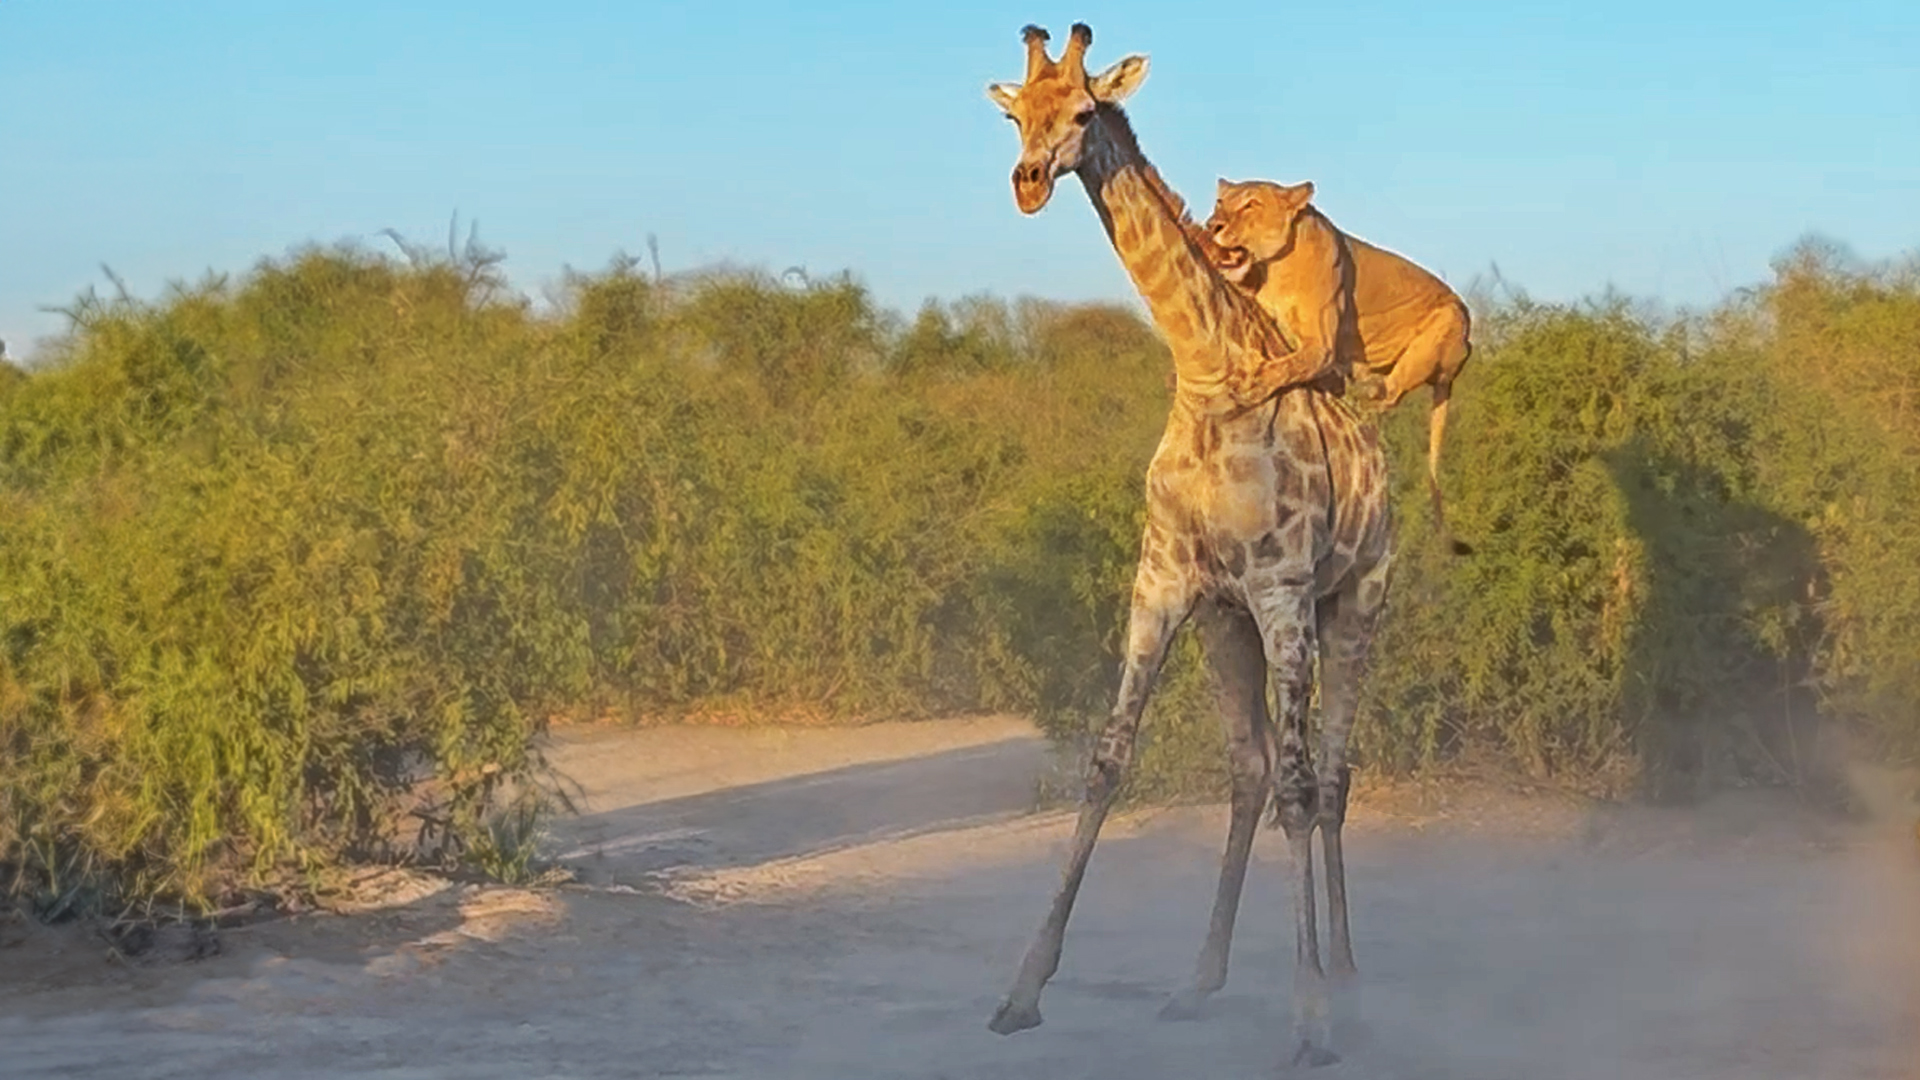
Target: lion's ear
{"x": 1299, "y": 195}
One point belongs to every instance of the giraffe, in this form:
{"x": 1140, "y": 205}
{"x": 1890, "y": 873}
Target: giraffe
{"x": 1267, "y": 525}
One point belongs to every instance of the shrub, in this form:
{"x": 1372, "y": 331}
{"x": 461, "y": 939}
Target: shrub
{"x": 291, "y": 567}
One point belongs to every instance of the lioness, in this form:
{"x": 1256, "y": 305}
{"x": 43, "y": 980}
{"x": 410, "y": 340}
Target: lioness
{"x": 1364, "y": 309}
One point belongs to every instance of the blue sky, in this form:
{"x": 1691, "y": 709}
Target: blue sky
{"x": 1669, "y": 149}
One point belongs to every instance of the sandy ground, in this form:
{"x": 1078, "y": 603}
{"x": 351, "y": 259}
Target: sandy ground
{"x": 829, "y": 904}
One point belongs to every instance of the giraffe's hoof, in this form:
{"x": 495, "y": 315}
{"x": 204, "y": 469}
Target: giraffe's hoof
{"x": 1185, "y": 1005}
{"x": 1011, "y": 1017}
{"x": 1311, "y": 1055}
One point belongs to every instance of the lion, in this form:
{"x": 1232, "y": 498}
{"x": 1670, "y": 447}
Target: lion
{"x": 1362, "y": 309}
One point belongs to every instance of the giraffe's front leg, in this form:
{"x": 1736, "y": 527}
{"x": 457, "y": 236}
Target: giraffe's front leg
{"x": 1162, "y": 596}
{"x": 1283, "y": 604}
{"x": 1348, "y": 620}
{"x": 1296, "y": 797}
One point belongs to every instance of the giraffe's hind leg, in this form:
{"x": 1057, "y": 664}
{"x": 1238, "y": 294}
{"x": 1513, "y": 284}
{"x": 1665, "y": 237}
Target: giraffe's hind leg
{"x": 1237, "y": 663}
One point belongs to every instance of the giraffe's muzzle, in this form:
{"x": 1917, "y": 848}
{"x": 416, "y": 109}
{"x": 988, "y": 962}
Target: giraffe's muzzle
{"x": 1032, "y": 185}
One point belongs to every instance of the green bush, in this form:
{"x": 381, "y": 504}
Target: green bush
{"x": 1603, "y": 468}
{"x": 292, "y": 567}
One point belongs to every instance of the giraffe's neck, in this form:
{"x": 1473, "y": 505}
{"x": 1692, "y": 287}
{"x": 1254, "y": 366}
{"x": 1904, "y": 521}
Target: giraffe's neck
{"x": 1209, "y": 325}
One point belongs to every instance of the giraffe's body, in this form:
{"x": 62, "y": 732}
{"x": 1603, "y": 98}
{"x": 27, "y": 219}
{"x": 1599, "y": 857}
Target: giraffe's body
{"x": 1267, "y": 522}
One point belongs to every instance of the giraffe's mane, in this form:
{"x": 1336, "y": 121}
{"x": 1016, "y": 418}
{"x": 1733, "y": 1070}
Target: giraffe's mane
{"x": 1122, "y": 129}
{"x": 1205, "y": 250}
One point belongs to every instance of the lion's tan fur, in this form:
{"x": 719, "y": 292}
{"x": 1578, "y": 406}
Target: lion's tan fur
{"x": 1368, "y": 313}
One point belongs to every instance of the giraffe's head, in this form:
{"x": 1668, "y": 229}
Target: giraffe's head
{"x": 1055, "y": 107}
{"x": 1252, "y": 222}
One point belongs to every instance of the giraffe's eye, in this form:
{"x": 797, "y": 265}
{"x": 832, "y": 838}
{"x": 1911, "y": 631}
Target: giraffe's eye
{"x": 1084, "y": 116}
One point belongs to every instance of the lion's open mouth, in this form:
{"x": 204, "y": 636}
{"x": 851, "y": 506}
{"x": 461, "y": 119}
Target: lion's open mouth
{"x": 1234, "y": 259}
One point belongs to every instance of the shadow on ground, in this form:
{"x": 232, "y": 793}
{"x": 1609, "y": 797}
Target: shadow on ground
{"x": 805, "y": 815}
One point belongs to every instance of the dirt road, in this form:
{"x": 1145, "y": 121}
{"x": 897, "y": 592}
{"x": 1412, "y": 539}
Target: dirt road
{"x": 825, "y": 905}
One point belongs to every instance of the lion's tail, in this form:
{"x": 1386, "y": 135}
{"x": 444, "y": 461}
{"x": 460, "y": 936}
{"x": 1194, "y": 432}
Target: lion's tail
{"x": 1436, "y": 435}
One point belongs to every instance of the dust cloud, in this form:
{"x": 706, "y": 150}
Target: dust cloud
{"x": 824, "y": 905}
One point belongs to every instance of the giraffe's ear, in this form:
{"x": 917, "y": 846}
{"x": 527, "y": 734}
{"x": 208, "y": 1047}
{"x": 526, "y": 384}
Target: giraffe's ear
{"x": 1003, "y": 94}
{"x": 1117, "y": 83}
